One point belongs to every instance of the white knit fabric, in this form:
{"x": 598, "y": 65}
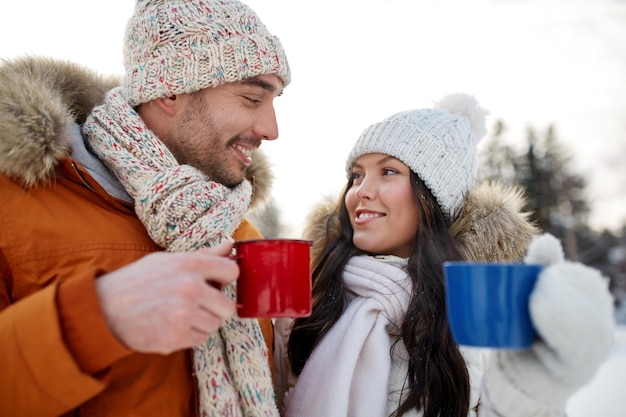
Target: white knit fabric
{"x": 350, "y": 366}
{"x": 438, "y": 144}
{"x": 572, "y": 310}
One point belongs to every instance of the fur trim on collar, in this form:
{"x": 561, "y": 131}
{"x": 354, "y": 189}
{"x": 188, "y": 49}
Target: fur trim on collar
{"x": 40, "y": 99}
{"x": 491, "y": 227}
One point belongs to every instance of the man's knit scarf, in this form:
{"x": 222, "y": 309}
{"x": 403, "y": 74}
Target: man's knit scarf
{"x": 183, "y": 210}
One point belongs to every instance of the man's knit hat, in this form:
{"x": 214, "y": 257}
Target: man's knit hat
{"x": 438, "y": 144}
{"x": 182, "y": 46}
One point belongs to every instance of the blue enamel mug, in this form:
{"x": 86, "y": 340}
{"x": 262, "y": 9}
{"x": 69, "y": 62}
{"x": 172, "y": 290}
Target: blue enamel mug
{"x": 487, "y": 303}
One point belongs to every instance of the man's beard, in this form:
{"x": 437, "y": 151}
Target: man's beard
{"x": 209, "y": 158}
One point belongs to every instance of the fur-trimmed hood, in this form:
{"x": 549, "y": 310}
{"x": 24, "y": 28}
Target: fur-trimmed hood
{"x": 492, "y": 225}
{"x": 41, "y": 98}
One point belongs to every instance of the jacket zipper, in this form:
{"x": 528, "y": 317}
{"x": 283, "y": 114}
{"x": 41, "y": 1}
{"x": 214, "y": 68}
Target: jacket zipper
{"x": 82, "y": 179}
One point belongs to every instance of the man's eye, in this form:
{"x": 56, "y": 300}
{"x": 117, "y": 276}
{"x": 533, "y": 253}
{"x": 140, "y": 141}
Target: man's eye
{"x": 253, "y": 100}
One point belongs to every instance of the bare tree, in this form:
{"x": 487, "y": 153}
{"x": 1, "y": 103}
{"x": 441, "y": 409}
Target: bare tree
{"x": 557, "y": 199}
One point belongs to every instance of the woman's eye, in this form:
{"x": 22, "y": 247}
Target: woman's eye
{"x": 356, "y": 176}
{"x": 389, "y": 171}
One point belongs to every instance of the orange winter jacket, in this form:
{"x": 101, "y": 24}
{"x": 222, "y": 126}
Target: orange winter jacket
{"x": 57, "y": 355}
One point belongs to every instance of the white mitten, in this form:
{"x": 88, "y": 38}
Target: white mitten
{"x": 572, "y": 311}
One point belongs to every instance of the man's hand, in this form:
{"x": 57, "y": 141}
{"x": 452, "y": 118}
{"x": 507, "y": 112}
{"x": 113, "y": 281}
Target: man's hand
{"x": 165, "y": 302}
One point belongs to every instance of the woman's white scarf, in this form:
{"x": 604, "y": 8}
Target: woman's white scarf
{"x": 348, "y": 372}
{"x": 183, "y": 210}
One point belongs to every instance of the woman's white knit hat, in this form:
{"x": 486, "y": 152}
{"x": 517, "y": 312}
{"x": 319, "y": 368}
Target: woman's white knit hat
{"x": 438, "y": 144}
{"x": 182, "y": 46}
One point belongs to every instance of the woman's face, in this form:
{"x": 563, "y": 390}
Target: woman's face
{"x": 381, "y": 205}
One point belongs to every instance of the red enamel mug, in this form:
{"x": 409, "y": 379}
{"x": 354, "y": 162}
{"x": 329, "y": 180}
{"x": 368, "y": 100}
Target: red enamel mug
{"x": 274, "y": 278}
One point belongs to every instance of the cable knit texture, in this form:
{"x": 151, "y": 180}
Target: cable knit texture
{"x": 181, "y": 46}
{"x": 182, "y": 210}
{"x": 438, "y": 144}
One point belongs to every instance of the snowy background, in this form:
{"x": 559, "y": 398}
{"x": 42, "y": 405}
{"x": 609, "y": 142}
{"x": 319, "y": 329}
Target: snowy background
{"x": 354, "y": 62}
{"x": 536, "y": 62}
{"x": 605, "y": 396}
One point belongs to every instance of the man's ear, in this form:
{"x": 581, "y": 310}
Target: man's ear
{"x": 167, "y": 104}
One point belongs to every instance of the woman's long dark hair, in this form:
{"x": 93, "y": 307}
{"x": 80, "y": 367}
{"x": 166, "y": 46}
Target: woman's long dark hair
{"x": 438, "y": 381}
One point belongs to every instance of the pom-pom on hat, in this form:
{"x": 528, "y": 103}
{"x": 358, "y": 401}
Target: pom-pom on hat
{"x": 182, "y": 46}
{"x": 438, "y": 144}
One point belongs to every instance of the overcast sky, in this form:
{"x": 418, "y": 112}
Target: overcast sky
{"x": 354, "y": 62}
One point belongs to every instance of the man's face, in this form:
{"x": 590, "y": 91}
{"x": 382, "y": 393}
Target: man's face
{"x": 216, "y": 129}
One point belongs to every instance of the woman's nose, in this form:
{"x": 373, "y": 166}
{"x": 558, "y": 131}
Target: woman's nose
{"x": 365, "y": 190}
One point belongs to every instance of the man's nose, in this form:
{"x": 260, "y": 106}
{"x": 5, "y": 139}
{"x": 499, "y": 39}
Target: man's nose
{"x": 266, "y": 125}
